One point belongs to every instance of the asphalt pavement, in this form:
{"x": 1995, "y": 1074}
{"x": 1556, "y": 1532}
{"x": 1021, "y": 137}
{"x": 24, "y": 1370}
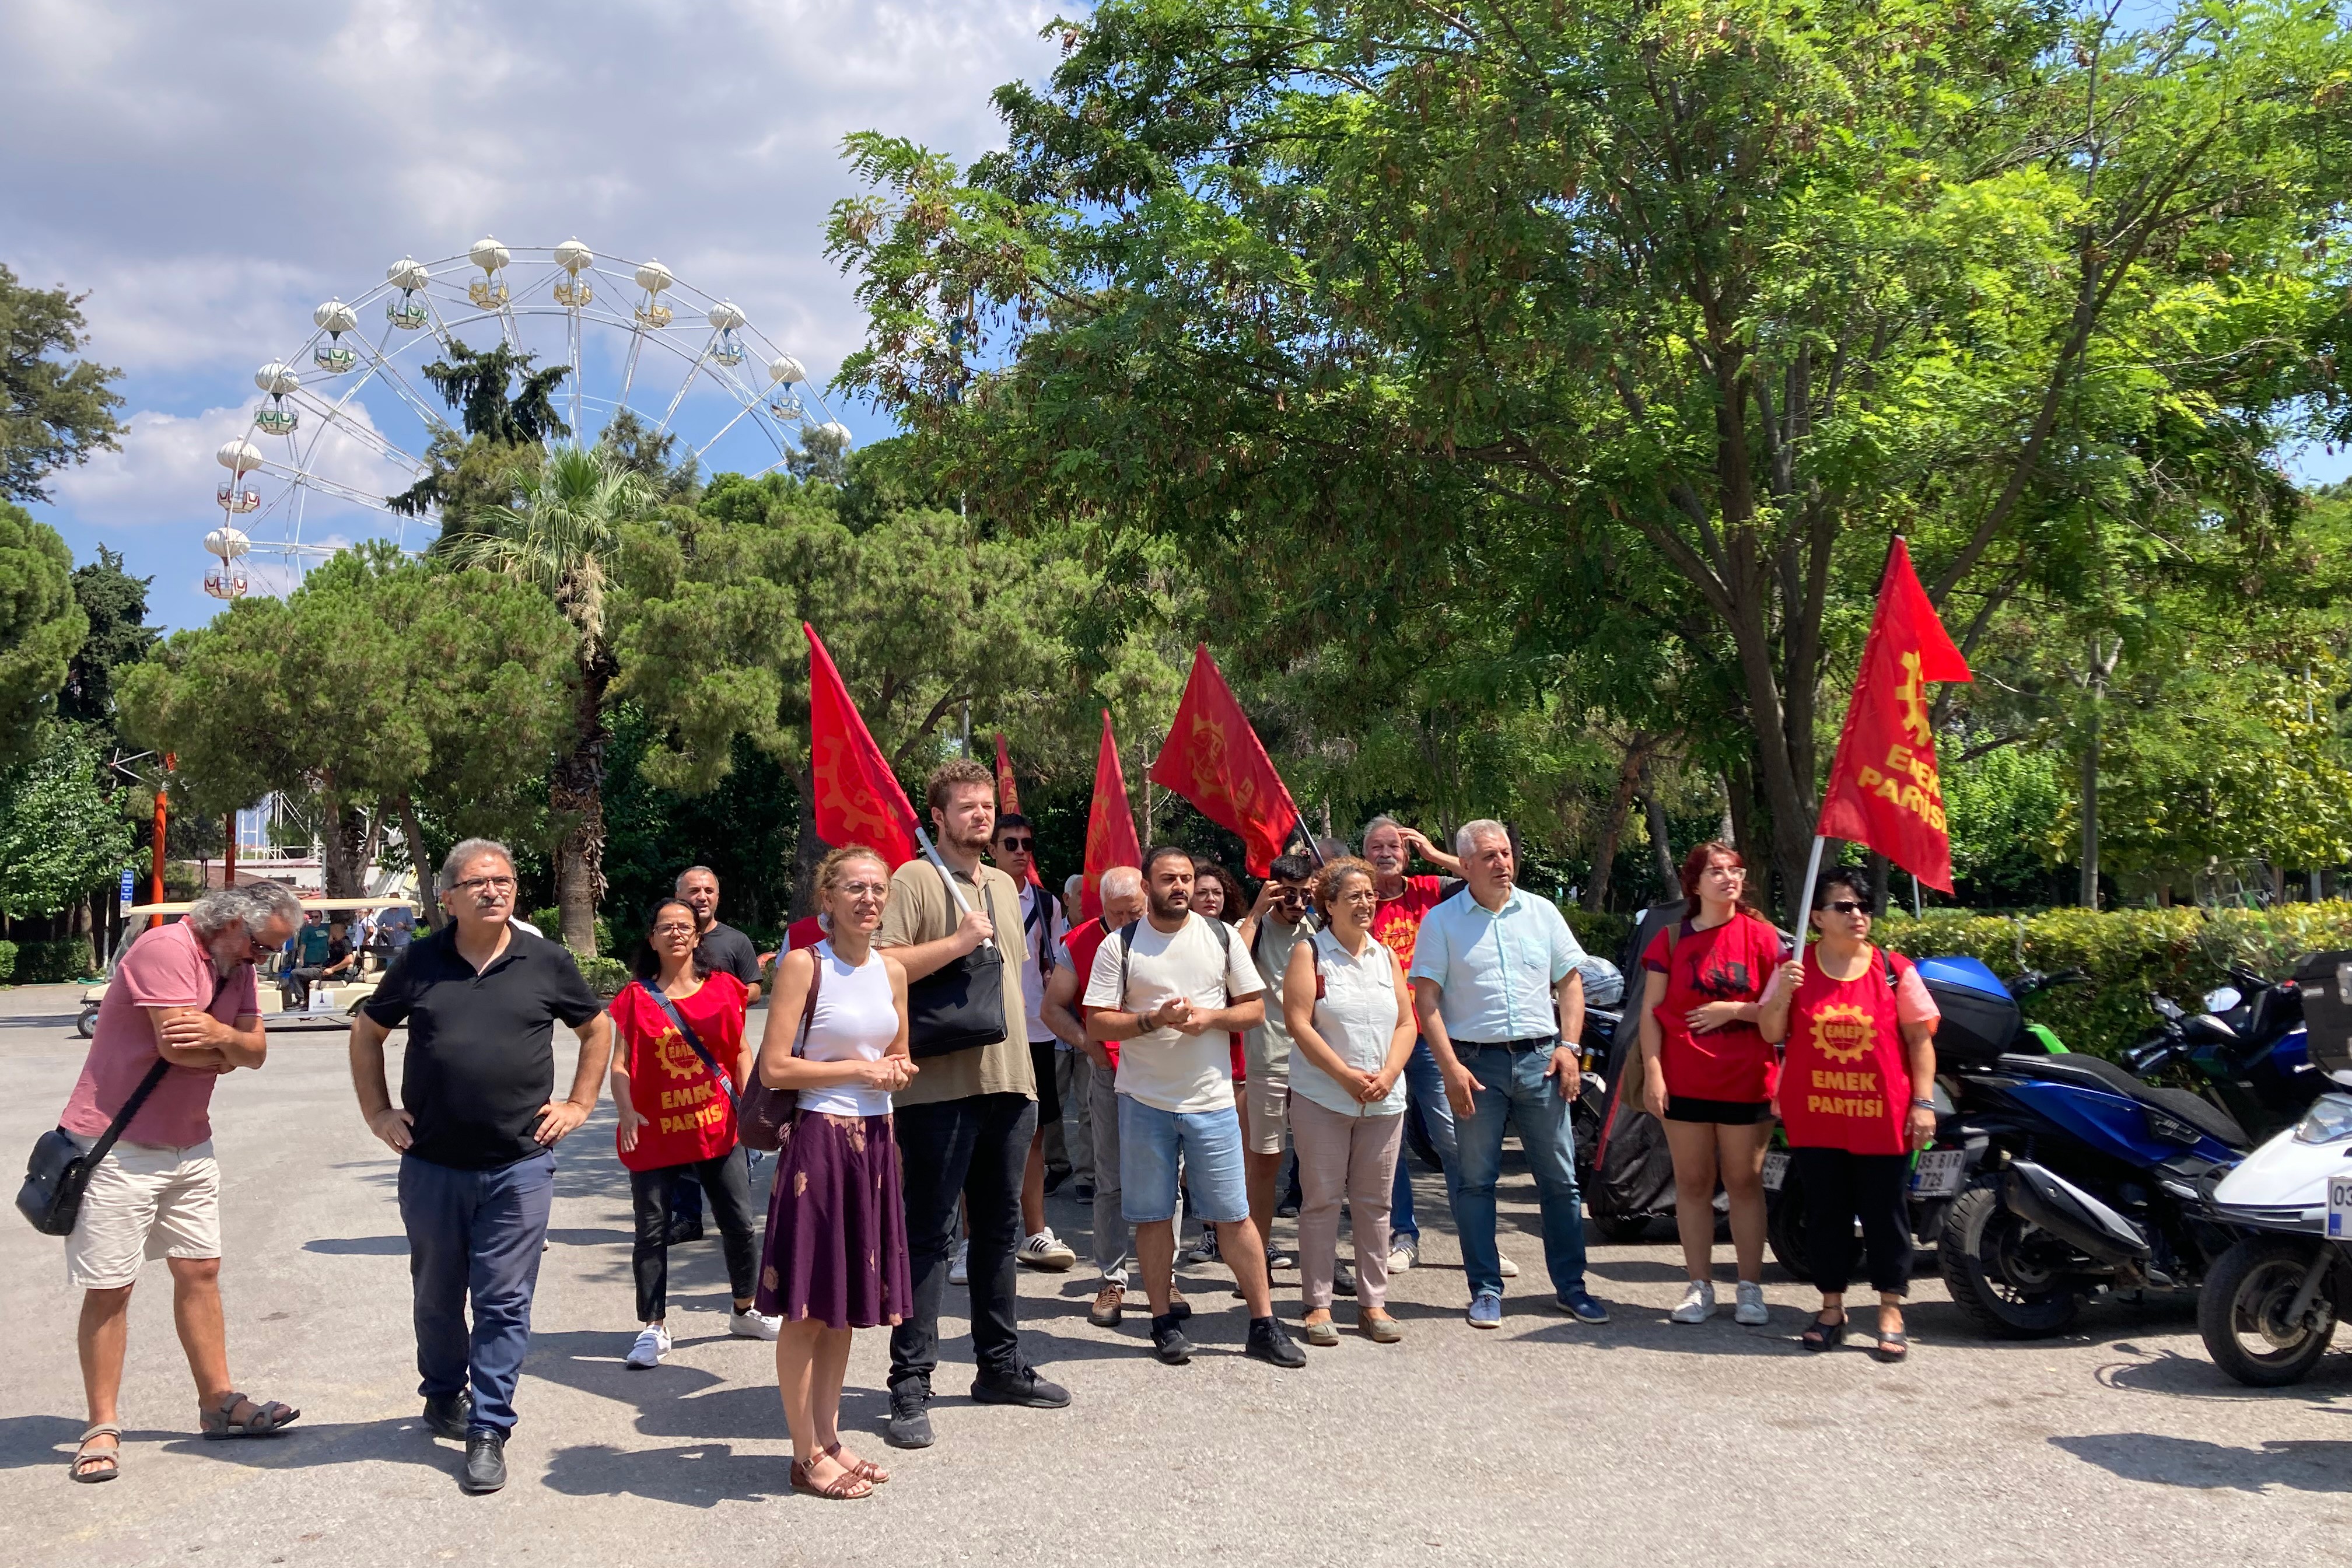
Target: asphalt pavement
{"x": 1641, "y": 1442}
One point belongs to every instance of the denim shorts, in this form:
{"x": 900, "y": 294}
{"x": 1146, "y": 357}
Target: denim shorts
{"x": 1150, "y": 1140}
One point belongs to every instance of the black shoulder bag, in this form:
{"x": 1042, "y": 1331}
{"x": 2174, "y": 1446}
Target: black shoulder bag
{"x": 59, "y": 1170}
{"x": 958, "y": 1005}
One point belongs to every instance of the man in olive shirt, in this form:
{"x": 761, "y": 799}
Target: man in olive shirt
{"x": 965, "y": 1123}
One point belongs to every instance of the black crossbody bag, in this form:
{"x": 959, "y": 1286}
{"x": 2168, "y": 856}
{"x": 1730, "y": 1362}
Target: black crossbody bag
{"x": 960, "y": 1005}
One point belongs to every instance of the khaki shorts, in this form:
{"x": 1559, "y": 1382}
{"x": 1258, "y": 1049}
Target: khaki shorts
{"x": 142, "y": 1203}
{"x": 1266, "y": 1110}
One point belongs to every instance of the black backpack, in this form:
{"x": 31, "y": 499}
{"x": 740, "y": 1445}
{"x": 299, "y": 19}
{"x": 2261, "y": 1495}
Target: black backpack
{"x": 1127, "y": 940}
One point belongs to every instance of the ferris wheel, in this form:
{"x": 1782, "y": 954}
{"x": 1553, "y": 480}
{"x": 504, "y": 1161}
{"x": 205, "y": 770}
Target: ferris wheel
{"x": 345, "y": 420}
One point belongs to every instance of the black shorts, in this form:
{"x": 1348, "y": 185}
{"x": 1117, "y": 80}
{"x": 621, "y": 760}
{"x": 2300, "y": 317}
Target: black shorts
{"x": 1049, "y": 1087}
{"x": 1724, "y": 1112}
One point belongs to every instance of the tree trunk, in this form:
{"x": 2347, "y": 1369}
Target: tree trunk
{"x": 807, "y": 848}
{"x": 2087, "y": 892}
{"x": 1882, "y": 872}
{"x": 342, "y": 834}
{"x": 576, "y": 795}
{"x": 1612, "y": 827}
{"x": 413, "y": 833}
{"x": 1669, "y": 877}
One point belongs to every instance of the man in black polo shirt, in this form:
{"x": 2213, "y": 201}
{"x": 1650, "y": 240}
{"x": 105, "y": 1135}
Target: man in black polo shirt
{"x": 726, "y": 950}
{"x": 475, "y": 1128}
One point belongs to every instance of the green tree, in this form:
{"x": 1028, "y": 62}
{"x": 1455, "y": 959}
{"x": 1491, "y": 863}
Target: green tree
{"x": 115, "y": 604}
{"x": 41, "y": 626}
{"x": 1710, "y": 299}
{"x": 59, "y": 834}
{"x": 54, "y": 410}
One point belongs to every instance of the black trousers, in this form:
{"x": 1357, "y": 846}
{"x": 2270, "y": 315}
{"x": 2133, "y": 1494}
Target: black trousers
{"x": 975, "y": 1148}
{"x": 729, "y": 1181}
{"x": 1839, "y": 1188}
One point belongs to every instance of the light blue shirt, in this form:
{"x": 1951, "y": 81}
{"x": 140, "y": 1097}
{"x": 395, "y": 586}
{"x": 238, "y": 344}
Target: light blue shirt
{"x": 1496, "y": 968}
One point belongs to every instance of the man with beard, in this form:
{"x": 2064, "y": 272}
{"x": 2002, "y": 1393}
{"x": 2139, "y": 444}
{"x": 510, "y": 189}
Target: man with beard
{"x": 965, "y": 1123}
{"x": 1171, "y": 988}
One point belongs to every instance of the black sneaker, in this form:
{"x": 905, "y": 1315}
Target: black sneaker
{"x": 1084, "y": 1191}
{"x": 1055, "y": 1177}
{"x": 450, "y": 1417}
{"x": 682, "y": 1232}
{"x": 485, "y": 1463}
{"x": 1168, "y": 1341}
{"x": 1270, "y": 1344}
{"x": 1343, "y": 1278}
{"x": 1023, "y": 1388}
{"x": 909, "y": 1424}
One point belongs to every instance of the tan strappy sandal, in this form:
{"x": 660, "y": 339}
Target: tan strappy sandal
{"x": 846, "y": 1487}
{"x": 864, "y": 1469}
{"x": 110, "y": 1459}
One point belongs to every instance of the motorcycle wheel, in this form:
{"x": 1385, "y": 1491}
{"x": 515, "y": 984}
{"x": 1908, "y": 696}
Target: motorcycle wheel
{"x": 85, "y": 1025}
{"x": 2242, "y": 1313}
{"x": 1992, "y": 1279}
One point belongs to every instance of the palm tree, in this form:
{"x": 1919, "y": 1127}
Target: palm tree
{"x": 561, "y": 538}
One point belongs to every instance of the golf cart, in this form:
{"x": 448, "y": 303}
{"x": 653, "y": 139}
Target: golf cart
{"x": 332, "y": 1001}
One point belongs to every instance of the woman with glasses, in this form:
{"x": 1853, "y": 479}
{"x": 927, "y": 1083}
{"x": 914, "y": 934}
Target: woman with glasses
{"x": 1351, "y": 1031}
{"x": 1857, "y": 1099}
{"x": 836, "y": 1251}
{"x": 1707, "y": 1073}
{"x": 677, "y": 1074}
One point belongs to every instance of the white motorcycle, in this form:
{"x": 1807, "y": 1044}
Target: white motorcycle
{"x": 2271, "y": 1304}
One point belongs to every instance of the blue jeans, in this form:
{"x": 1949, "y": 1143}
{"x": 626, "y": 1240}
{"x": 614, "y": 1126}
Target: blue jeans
{"x": 475, "y": 1233}
{"x": 1151, "y": 1139}
{"x": 1517, "y": 1088}
{"x": 1424, "y": 1090}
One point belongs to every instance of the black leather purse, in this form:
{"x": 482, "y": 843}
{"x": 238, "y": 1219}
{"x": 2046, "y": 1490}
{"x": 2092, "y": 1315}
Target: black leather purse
{"x": 960, "y": 1005}
{"x": 59, "y": 1170}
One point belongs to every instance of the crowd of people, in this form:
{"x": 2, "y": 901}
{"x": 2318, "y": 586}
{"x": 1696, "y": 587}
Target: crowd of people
{"x": 923, "y": 1084}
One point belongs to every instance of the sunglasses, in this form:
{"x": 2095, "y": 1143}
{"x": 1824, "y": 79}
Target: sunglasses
{"x": 1846, "y": 907}
{"x": 1016, "y": 846}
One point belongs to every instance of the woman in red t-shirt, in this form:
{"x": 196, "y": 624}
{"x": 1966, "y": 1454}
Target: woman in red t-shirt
{"x": 1709, "y": 1074}
{"x": 1857, "y": 1098}
{"x": 676, "y": 1115}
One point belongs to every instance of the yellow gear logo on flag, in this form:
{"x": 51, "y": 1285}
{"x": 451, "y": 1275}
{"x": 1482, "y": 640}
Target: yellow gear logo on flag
{"x": 1842, "y": 1032}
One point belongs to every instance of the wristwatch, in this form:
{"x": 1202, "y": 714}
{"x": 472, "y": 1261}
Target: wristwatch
{"x": 1922, "y": 1105}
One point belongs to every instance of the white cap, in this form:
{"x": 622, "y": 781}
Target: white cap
{"x": 335, "y": 316}
{"x": 239, "y": 456}
{"x": 574, "y": 257}
{"x": 488, "y": 254}
{"x": 724, "y": 315}
{"x": 407, "y": 273}
{"x": 787, "y": 369}
{"x": 653, "y": 277}
{"x": 276, "y": 379}
{"x": 229, "y": 543}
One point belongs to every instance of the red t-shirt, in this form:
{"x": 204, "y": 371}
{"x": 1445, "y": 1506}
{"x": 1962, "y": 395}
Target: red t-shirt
{"x": 1397, "y": 921}
{"x": 1729, "y": 962}
{"x": 1082, "y": 944}
{"x": 166, "y": 967}
{"x": 1845, "y": 1084}
{"x": 692, "y": 1118}
{"x": 806, "y": 931}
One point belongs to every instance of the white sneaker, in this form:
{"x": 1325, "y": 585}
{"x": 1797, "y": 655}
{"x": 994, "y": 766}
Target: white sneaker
{"x": 1403, "y": 1255}
{"x": 1750, "y": 1311}
{"x": 1698, "y": 1303}
{"x": 753, "y": 1325}
{"x": 652, "y": 1345}
{"x": 1047, "y": 1251}
{"x": 958, "y": 1264}
{"x": 1510, "y": 1270}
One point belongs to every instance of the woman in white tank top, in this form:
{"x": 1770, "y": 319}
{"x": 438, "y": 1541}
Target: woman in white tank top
{"x": 1352, "y": 1030}
{"x": 835, "y": 1258}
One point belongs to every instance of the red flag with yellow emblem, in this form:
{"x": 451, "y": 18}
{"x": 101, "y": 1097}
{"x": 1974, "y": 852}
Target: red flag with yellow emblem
{"x": 1212, "y": 759}
{"x": 1110, "y": 825}
{"x": 1884, "y": 791}
{"x": 858, "y": 798}
{"x": 1008, "y": 799}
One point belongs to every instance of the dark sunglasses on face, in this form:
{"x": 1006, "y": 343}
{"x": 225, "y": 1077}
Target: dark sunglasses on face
{"x": 1846, "y": 907}
{"x": 1016, "y": 846}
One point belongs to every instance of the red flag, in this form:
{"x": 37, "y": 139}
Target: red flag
{"x": 858, "y": 799}
{"x": 1110, "y": 825}
{"x": 1008, "y": 801}
{"x": 1884, "y": 791}
{"x": 1212, "y": 759}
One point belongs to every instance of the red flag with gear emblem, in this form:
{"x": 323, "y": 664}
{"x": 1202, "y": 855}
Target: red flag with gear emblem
{"x": 1008, "y": 801}
{"x": 1882, "y": 790}
{"x": 1212, "y": 758}
{"x": 1110, "y": 825}
{"x": 858, "y": 798}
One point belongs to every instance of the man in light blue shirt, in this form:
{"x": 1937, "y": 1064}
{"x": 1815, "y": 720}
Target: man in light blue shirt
{"x": 1494, "y": 983}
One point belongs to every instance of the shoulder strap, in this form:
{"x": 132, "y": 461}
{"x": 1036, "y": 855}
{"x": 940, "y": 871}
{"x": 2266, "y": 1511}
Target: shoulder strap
{"x": 1126, "y": 941}
{"x": 105, "y": 1144}
{"x": 677, "y": 1020}
{"x": 1225, "y": 936}
{"x": 1893, "y": 980}
{"x": 808, "y": 1008}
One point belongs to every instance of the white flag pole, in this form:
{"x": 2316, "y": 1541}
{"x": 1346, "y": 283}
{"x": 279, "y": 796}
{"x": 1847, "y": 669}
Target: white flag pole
{"x": 932, "y": 853}
{"x": 1805, "y": 899}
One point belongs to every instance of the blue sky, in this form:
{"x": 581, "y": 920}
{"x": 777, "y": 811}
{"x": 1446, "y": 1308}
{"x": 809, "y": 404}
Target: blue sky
{"x": 210, "y": 173}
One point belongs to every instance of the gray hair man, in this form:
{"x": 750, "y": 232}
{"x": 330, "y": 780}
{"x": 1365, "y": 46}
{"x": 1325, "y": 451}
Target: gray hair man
{"x": 1501, "y": 1005}
{"x": 475, "y": 1130}
{"x": 182, "y": 1011}
{"x": 719, "y": 946}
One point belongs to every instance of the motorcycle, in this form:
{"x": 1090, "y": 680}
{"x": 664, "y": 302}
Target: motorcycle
{"x": 2248, "y": 1052}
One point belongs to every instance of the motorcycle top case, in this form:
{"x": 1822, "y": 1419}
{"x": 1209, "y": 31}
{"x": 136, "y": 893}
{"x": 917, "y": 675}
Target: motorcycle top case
{"x": 2325, "y": 981}
{"x": 1980, "y": 1017}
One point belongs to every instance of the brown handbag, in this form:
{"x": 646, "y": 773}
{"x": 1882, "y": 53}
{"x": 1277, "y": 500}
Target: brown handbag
{"x": 764, "y": 1113}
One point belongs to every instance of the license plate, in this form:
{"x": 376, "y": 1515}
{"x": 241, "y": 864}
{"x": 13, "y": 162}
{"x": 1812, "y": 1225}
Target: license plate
{"x": 1776, "y": 1170}
{"x": 2339, "y": 1208}
{"x": 1939, "y": 1172}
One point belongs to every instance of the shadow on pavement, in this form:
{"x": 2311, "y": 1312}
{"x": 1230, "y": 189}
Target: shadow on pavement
{"x": 698, "y": 1475}
{"x": 2307, "y": 1465}
{"x": 359, "y": 1245}
{"x": 305, "y": 1446}
{"x": 29, "y": 1440}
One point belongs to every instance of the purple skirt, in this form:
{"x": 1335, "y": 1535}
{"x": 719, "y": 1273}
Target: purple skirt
{"x": 836, "y": 1245}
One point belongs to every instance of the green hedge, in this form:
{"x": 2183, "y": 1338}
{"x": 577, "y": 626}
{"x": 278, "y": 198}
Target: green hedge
{"x": 2180, "y": 953}
{"x": 1601, "y": 934}
{"x": 7, "y": 960}
{"x": 47, "y": 962}
{"x": 606, "y": 976}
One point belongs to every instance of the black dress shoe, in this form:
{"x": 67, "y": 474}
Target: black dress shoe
{"x": 909, "y": 1424}
{"x": 1023, "y": 1388}
{"x": 683, "y": 1231}
{"x": 449, "y": 1415}
{"x": 485, "y": 1463}
{"x": 1056, "y": 1177}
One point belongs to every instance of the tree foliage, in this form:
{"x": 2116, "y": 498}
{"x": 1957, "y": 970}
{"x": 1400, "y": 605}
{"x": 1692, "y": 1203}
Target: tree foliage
{"x": 41, "y": 626}
{"x": 54, "y": 410}
{"x": 59, "y": 834}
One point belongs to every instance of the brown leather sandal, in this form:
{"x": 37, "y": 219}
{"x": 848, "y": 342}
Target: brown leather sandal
{"x": 864, "y": 1469}
{"x": 844, "y": 1487}
{"x": 218, "y": 1418}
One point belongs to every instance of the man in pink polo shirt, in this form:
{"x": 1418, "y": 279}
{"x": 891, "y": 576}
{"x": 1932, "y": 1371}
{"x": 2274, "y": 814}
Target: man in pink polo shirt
{"x": 184, "y": 996}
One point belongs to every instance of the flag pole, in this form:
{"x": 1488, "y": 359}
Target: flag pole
{"x": 1805, "y": 899}
{"x": 932, "y": 853}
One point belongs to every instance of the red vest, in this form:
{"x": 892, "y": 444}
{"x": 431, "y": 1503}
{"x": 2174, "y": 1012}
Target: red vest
{"x": 1845, "y": 1083}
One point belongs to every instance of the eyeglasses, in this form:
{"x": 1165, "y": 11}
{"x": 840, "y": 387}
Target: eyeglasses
{"x": 1290, "y": 895}
{"x": 1846, "y": 907}
{"x": 1016, "y": 846}
{"x": 866, "y": 889}
{"x": 674, "y": 930}
{"x": 258, "y": 948}
{"x": 1737, "y": 873}
{"x": 487, "y": 886}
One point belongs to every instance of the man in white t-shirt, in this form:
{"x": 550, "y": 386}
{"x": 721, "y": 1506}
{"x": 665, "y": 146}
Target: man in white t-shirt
{"x": 1171, "y": 988}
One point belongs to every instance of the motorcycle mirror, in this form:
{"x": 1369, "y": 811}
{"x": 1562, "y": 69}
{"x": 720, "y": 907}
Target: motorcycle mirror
{"x": 2166, "y": 1009}
{"x": 2222, "y": 998}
